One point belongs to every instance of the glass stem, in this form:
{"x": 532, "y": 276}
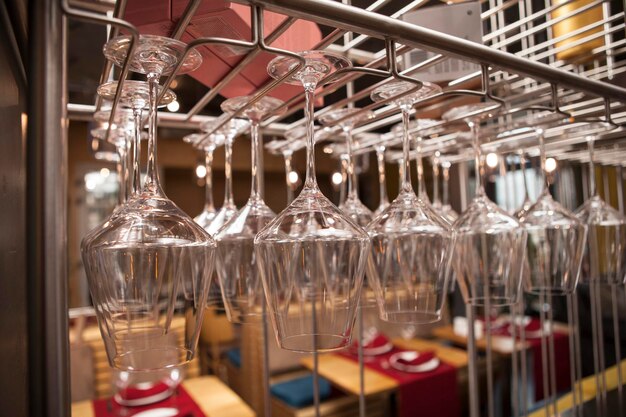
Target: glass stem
{"x": 421, "y": 185}
{"x": 542, "y": 158}
{"x": 287, "y": 156}
{"x": 353, "y": 185}
{"x": 480, "y": 166}
{"x": 310, "y": 83}
{"x": 152, "y": 175}
{"x": 121, "y": 169}
{"x": 406, "y": 160}
{"x": 229, "y": 201}
{"x": 137, "y": 150}
{"x": 208, "y": 181}
{"x": 592, "y": 168}
{"x": 522, "y": 162}
{"x": 436, "y": 182}
{"x": 257, "y": 161}
{"x": 128, "y": 171}
{"x": 401, "y": 174}
{"x": 446, "y": 179}
{"x": 380, "y": 157}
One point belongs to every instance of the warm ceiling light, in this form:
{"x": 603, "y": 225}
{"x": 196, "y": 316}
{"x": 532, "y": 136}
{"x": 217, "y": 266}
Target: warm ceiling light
{"x": 492, "y": 160}
{"x": 173, "y": 106}
{"x": 200, "y": 171}
{"x": 550, "y": 164}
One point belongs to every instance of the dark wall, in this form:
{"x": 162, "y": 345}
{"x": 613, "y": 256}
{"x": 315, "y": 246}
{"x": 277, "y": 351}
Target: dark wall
{"x": 13, "y": 280}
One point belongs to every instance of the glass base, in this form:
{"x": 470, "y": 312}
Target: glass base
{"x": 153, "y": 359}
{"x": 493, "y": 302}
{"x": 309, "y": 343}
{"x": 411, "y": 317}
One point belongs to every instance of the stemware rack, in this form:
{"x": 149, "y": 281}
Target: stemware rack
{"x": 533, "y": 79}
{"x": 522, "y": 82}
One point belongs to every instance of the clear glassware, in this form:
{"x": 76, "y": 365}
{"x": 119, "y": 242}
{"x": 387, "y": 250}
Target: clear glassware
{"x": 352, "y": 205}
{"x": 136, "y": 96}
{"x": 208, "y": 144}
{"x": 242, "y": 290}
{"x": 526, "y": 203}
{"x": 490, "y": 244}
{"x": 233, "y": 128}
{"x": 311, "y": 256}
{"x": 382, "y": 183}
{"x": 556, "y": 240}
{"x": 411, "y": 243}
{"x": 436, "y": 162}
{"x": 141, "y": 388}
{"x": 604, "y": 260}
{"x": 446, "y": 210}
{"x": 119, "y": 137}
{"x": 149, "y": 265}
{"x": 230, "y": 130}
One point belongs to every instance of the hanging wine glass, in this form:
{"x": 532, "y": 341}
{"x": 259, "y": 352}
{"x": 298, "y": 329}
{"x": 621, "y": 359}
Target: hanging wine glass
{"x": 352, "y": 206}
{"x": 435, "y": 162}
{"x": 382, "y": 183}
{"x": 526, "y": 203}
{"x": 119, "y": 137}
{"x": 136, "y": 96}
{"x": 490, "y": 244}
{"x": 208, "y": 145}
{"x": 311, "y": 256}
{"x": 604, "y": 260}
{"x": 237, "y": 266}
{"x": 556, "y": 240}
{"x": 411, "y": 243}
{"x": 229, "y": 130}
{"x": 150, "y": 264}
{"x": 447, "y": 212}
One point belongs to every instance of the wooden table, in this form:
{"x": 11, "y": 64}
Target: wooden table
{"x": 566, "y": 402}
{"x": 213, "y": 397}
{"x": 500, "y": 344}
{"x": 344, "y": 372}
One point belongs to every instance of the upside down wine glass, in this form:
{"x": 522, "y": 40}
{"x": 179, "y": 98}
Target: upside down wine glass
{"x": 556, "y": 239}
{"x": 488, "y": 254}
{"x": 411, "y": 243}
{"x": 554, "y": 251}
{"x": 382, "y": 183}
{"x": 237, "y": 268}
{"x": 604, "y": 263}
{"x": 604, "y": 260}
{"x": 119, "y": 137}
{"x": 311, "y": 256}
{"x": 352, "y": 205}
{"x": 136, "y": 96}
{"x": 490, "y": 244}
{"x": 229, "y": 130}
{"x": 208, "y": 146}
{"x": 149, "y": 265}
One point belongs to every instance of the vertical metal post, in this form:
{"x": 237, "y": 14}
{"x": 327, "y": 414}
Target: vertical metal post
{"x": 46, "y": 149}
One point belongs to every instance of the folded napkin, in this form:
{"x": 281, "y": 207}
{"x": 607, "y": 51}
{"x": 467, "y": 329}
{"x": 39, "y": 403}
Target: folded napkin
{"x": 379, "y": 340}
{"x": 421, "y": 358}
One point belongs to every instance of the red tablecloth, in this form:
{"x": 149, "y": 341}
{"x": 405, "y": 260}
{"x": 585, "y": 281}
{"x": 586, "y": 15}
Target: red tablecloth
{"x": 426, "y": 394}
{"x": 561, "y": 354}
{"x": 181, "y": 401}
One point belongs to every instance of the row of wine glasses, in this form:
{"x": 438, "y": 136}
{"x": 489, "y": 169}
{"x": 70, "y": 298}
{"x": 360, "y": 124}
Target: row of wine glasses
{"x": 150, "y": 265}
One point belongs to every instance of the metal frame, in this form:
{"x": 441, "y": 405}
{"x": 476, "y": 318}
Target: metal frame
{"x": 522, "y": 83}
{"x": 579, "y": 95}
